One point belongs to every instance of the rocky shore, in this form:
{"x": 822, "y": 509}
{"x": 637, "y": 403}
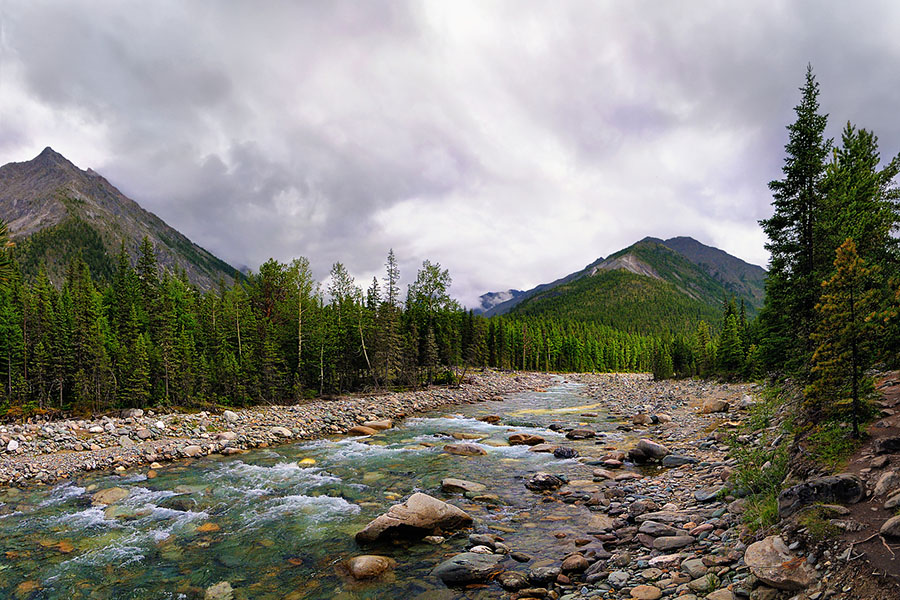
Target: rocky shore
{"x": 49, "y": 451}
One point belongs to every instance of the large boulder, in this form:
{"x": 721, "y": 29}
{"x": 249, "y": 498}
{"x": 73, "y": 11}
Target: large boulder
{"x": 580, "y": 434}
{"x": 419, "y": 516}
{"x": 839, "y": 489}
{"x": 773, "y": 564}
{"x": 361, "y": 430}
{"x": 369, "y": 566}
{"x": 468, "y": 567}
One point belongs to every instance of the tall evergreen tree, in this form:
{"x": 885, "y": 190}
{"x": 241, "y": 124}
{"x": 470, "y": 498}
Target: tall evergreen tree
{"x": 798, "y": 260}
{"x": 845, "y": 336}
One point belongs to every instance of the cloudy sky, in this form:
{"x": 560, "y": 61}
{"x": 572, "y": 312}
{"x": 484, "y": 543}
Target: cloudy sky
{"x": 513, "y": 142}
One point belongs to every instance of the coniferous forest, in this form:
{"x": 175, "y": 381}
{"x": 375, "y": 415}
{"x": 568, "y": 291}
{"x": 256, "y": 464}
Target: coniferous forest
{"x": 141, "y": 336}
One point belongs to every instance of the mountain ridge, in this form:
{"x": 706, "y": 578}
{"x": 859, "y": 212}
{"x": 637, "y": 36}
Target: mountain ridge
{"x": 56, "y": 210}
{"x": 702, "y": 274}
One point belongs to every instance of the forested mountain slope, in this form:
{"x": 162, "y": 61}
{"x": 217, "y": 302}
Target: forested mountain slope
{"x": 56, "y": 211}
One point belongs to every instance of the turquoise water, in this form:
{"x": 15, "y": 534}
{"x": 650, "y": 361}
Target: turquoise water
{"x": 274, "y": 528}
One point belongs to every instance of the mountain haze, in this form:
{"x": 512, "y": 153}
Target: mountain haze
{"x": 57, "y": 211}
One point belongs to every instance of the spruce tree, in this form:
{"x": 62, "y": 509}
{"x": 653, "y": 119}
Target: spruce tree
{"x": 795, "y": 236}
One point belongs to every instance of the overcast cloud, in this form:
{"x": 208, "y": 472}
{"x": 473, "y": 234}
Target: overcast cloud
{"x": 513, "y": 142}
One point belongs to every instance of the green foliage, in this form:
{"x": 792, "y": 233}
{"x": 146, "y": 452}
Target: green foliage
{"x": 816, "y": 520}
{"x": 53, "y": 248}
{"x": 831, "y": 443}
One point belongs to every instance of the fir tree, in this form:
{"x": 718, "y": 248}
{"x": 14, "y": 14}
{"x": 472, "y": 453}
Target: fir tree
{"x": 844, "y": 337}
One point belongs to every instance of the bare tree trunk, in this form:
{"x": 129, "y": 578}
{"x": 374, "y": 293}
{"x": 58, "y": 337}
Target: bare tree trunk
{"x": 362, "y": 343}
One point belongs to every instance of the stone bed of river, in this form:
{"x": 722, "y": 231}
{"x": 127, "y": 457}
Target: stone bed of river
{"x": 277, "y": 525}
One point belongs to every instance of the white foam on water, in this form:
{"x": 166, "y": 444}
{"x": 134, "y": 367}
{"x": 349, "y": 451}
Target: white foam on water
{"x": 451, "y": 424}
{"x": 89, "y": 518}
{"x": 315, "y": 508}
{"x": 353, "y": 450}
{"x": 258, "y": 478}
{"x": 61, "y": 493}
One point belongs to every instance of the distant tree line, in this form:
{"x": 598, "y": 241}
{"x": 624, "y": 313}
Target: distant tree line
{"x": 148, "y": 338}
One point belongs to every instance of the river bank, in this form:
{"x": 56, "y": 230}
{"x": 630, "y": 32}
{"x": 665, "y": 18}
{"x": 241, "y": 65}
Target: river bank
{"x": 50, "y": 451}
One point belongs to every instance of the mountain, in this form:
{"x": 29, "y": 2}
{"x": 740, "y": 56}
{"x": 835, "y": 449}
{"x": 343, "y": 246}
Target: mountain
{"x": 741, "y": 278}
{"x": 648, "y": 287}
{"x": 492, "y": 299}
{"x": 56, "y": 211}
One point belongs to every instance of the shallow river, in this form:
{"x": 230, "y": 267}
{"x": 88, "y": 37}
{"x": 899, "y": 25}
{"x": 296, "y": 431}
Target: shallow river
{"x": 276, "y": 527}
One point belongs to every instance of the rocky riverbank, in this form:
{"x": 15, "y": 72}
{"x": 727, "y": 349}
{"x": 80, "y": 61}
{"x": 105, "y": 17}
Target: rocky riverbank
{"x": 46, "y": 452}
{"x": 664, "y": 522}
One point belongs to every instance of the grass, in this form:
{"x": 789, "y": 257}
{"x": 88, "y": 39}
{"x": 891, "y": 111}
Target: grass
{"x": 762, "y": 467}
{"x": 817, "y": 524}
{"x": 831, "y": 444}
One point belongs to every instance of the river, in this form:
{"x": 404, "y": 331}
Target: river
{"x": 279, "y": 522}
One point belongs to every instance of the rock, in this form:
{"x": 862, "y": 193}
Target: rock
{"x": 525, "y": 439}
{"x": 641, "y": 419}
{"x": 490, "y": 419}
{"x": 714, "y": 405}
{"x": 192, "y": 451}
{"x": 361, "y": 430}
{"x": 673, "y": 542}
{"x": 888, "y": 482}
{"x": 12, "y": 446}
{"x": 694, "y": 567}
{"x": 646, "y": 592}
{"x": 647, "y": 451}
{"x": 461, "y": 486}
{"x": 887, "y": 445}
{"x": 842, "y": 489}
{"x": 419, "y": 516}
{"x": 144, "y": 433}
{"x": 773, "y": 564}
{"x": 369, "y": 566}
{"x": 282, "y": 432}
{"x": 109, "y": 496}
{"x": 892, "y": 502}
{"x": 891, "y": 527}
{"x": 543, "y": 574}
{"x": 379, "y": 425}
{"x": 617, "y": 579}
{"x": 722, "y": 594}
{"x": 665, "y": 561}
{"x": 540, "y": 482}
{"x": 512, "y": 580}
{"x": 658, "y": 529}
{"x": 708, "y": 494}
{"x": 580, "y": 434}
{"x": 574, "y": 563}
{"x": 219, "y": 591}
{"x": 676, "y": 460}
{"x": 132, "y": 413}
{"x": 543, "y": 448}
{"x": 465, "y": 450}
{"x": 467, "y": 568}
{"x": 230, "y": 416}
{"x": 563, "y": 452}
{"x": 481, "y": 550}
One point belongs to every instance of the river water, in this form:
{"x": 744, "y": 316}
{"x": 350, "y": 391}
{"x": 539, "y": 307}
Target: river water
{"x": 277, "y": 526}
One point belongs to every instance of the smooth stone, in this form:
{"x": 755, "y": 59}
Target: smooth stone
{"x": 658, "y": 529}
{"x": 646, "y": 592}
{"x": 694, "y": 567}
{"x": 544, "y": 481}
{"x": 192, "y": 451}
{"x": 891, "y": 527}
{"x": 219, "y": 591}
{"x": 379, "y": 425}
{"x": 773, "y": 564}
{"x": 722, "y": 594}
{"x": 574, "y": 562}
{"x": 419, "y": 516}
{"x": 109, "y": 496}
{"x": 525, "y": 439}
{"x": 673, "y": 542}
{"x": 361, "y": 430}
{"x": 369, "y": 566}
{"x": 465, "y": 450}
{"x": 468, "y": 567}
{"x": 840, "y": 489}
{"x": 676, "y": 460}
{"x": 580, "y": 434}
{"x": 230, "y": 416}
{"x": 512, "y": 580}
{"x": 618, "y": 579}
{"x": 282, "y": 431}
{"x": 461, "y": 486}
{"x": 714, "y": 405}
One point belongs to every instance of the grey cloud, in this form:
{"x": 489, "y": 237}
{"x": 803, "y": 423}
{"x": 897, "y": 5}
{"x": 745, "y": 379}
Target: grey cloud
{"x": 511, "y": 141}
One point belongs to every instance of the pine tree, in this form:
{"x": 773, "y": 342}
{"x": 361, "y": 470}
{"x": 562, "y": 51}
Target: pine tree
{"x": 844, "y": 337}
{"x": 797, "y": 262}
{"x": 6, "y": 266}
